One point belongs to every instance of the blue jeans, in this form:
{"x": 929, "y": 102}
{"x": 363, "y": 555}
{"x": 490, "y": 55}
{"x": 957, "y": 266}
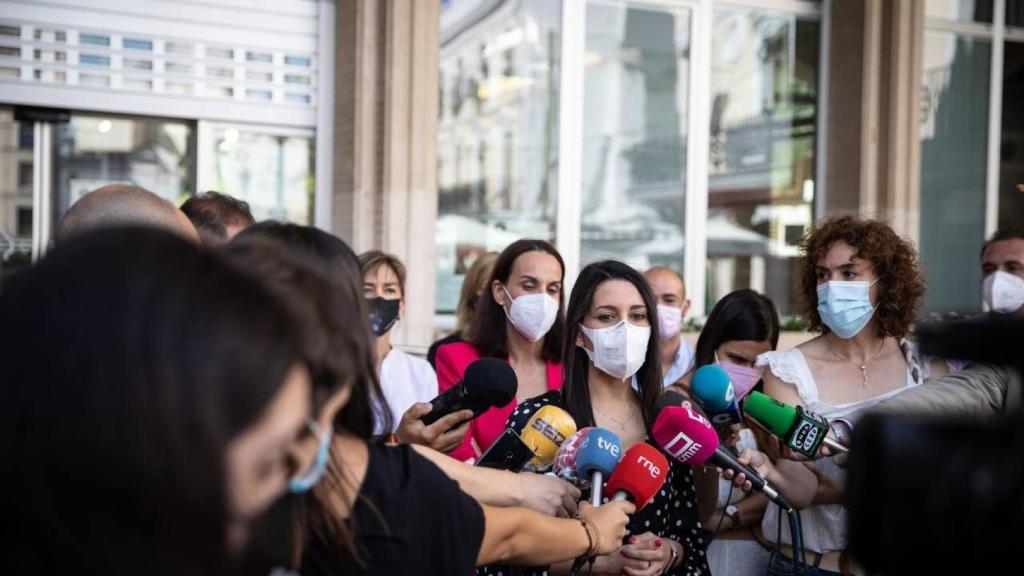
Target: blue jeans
{"x": 779, "y": 565}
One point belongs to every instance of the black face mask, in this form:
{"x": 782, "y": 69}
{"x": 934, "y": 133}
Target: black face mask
{"x": 383, "y": 314}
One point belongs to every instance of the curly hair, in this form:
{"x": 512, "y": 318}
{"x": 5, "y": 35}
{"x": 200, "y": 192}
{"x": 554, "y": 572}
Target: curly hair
{"x": 895, "y": 262}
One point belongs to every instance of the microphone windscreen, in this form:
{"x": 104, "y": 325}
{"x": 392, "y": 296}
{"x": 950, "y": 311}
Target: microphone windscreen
{"x": 599, "y": 451}
{"x": 776, "y": 417}
{"x": 544, "y": 432}
{"x": 669, "y": 398}
{"x": 685, "y": 435}
{"x": 565, "y": 459}
{"x": 490, "y": 382}
{"x": 640, "y": 474}
{"x": 712, "y": 387}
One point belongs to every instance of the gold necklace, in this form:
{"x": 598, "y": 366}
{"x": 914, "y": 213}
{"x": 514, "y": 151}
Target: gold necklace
{"x": 863, "y": 367}
{"x": 622, "y": 425}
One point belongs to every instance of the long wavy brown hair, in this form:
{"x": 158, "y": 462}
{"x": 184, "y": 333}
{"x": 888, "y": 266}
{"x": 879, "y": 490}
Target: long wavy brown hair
{"x": 895, "y": 262}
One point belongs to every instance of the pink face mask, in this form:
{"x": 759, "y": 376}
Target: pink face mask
{"x": 743, "y": 378}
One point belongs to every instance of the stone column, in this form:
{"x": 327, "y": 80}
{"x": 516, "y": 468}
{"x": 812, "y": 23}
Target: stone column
{"x": 385, "y": 182}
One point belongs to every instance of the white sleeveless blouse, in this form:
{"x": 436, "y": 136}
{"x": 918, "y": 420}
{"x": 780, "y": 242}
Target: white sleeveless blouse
{"x": 824, "y": 526}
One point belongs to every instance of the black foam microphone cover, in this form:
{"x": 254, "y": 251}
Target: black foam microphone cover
{"x": 488, "y": 382}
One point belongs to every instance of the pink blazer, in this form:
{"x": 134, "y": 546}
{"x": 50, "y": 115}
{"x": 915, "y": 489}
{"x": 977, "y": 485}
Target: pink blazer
{"x": 452, "y": 360}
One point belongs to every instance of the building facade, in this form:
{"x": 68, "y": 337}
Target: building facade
{"x": 704, "y": 135}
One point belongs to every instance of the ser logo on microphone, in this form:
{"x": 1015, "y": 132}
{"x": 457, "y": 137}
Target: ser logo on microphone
{"x": 548, "y": 431}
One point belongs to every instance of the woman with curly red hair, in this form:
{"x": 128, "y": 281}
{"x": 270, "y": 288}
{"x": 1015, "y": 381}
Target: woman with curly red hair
{"x": 862, "y": 288}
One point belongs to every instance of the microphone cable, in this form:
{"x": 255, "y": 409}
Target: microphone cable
{"x": 718, "y": 528}
{"x": 796, "y": 534}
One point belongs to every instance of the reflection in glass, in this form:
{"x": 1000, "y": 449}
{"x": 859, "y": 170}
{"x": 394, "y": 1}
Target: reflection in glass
{"x": 634, "y": 134}
{"x": 92, "y": 151}
{"x": 764, "y": 69}
{"x": 963, "y": 10}
{"x": 273, "y": 173}
{"x": 497, "y": 131}
{"x": 1011, "y": 162}
{"x": 16, "y": 207}
{"x": 954, "y": 141}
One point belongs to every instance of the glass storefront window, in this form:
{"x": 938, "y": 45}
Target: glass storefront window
{"x": 1011, "y": 162}
{"x": 764, "y": 69}
{"x": 636, "y": 78}
{"x": 16, "y": 204}
{"x": 497, "y": 131}
{"x": 91, "y": 151}
{"x": 954, "y": 143}
{"x": 274, "y": 173}
{"x": 961, "y": 10}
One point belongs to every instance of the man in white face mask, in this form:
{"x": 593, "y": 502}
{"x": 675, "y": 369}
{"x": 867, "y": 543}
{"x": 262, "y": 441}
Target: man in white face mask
{"x": 1002, "y": 265}
{"x": 675, "y": 353}
{"x": 979, "y": 390}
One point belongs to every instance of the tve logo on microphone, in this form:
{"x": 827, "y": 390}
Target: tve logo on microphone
{"x": 610, "y": 447}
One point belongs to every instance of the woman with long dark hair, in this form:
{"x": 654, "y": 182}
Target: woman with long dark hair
{"x": 743, "y": 325}
{"x": 611, "y": 336}
{"x": 154, "y": 392}
{"x": 519, "y": 319}
{"x": 378, "y": 509}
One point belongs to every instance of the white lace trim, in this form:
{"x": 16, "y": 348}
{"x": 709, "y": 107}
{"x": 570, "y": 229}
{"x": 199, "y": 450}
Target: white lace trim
{"x": 791, "y": 367}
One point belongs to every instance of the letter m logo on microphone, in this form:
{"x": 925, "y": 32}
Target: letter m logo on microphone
{"x": 682, "y": 447}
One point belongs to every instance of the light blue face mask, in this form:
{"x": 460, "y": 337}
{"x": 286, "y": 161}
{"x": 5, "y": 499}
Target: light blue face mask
{"x": 306, "y": 482}
{"x": 845, "y": 307}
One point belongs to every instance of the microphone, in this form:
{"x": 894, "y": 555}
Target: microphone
{"x": 565, "y": 459}
{"x": 716, "y": 396}
{"x": 688, "y": 437}
{"x": 544, "y": 433}
{"x": 670, "y": 398}
{"x": 599, "y": 453}
{"x": 800, "y": 429}
{"x": 640, "y": 474}
{"x": 487, "y": 382}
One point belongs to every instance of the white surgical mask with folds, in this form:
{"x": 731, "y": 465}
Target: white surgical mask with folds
{"x": 619, "y": 350}
{"x": 1003, "y": 292}
{"x": 532, "y": 315}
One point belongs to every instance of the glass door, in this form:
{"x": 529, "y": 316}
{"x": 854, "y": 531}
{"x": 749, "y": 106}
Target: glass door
{"x": 635, "y": 131}
{"x": 17, "y": 205}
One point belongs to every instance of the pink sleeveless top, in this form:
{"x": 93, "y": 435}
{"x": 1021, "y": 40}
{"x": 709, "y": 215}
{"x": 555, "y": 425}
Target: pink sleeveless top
{"x": 452, "y": 360}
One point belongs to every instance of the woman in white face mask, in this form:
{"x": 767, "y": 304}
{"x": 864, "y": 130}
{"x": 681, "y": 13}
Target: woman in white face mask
{"x": 612, "y": 336}
{"x": 863, "y": 288}
{"x": 519, "y": 319}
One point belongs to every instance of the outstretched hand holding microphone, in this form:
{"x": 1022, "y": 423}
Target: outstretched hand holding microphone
{"x": 442, "y": 423}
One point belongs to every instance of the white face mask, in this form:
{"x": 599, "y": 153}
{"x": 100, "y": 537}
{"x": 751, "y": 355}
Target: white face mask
{"x": 532, "y": 315}
{"x": 670, "y": 321}
{"x": 619, "y": 350}
{"x": 1003, "y": 292}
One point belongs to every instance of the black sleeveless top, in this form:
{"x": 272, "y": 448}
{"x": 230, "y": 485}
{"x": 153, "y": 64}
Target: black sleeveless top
{"x": 409, "y": 518}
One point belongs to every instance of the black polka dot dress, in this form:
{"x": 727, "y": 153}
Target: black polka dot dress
{"x": 671, "y": 514}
